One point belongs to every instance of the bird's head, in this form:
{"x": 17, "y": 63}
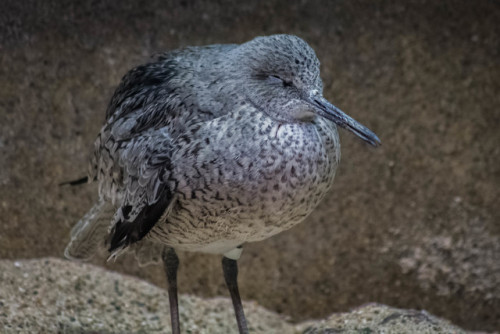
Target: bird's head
{"x": 281, "y": 77}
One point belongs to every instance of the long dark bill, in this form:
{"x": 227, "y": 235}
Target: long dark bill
{"x": 334, "y": 114}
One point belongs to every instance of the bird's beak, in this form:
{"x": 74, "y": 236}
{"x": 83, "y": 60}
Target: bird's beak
{"x": 329, "y": 111}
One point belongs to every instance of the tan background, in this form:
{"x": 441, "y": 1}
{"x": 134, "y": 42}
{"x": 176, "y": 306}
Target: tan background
{"x": 413, "y": 224}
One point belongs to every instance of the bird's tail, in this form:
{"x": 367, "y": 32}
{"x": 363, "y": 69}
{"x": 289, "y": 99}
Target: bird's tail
{"x": 88, "y": 236}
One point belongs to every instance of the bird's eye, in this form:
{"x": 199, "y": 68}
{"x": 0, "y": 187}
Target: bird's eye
{"x": 277, "y": 80}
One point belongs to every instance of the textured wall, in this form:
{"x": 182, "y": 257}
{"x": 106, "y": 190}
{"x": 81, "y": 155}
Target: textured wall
{"x": 413, "y": 224}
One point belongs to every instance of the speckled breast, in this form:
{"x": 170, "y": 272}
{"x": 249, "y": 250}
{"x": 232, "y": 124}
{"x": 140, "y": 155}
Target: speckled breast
{"x": 246, "y": 181}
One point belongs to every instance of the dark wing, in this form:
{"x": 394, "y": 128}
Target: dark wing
{"x": 132, "y": 153}
{"x": 154, "y": 104}
{"x": 147, "y": 99}
{"x": 148, "y": 187}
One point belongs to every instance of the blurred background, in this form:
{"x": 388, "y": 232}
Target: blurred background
{"x": 412, "y": 224}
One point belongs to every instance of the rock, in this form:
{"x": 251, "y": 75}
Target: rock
{"x": 376, "y": 318}
{"x": 58, "y": 296}
{"x": 51, "y": 295}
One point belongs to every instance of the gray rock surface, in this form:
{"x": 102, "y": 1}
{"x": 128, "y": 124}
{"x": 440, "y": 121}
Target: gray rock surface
{"x": 377, "y": 318}
{"x": 57, "y": 296}
{"x": 413, "y": 224}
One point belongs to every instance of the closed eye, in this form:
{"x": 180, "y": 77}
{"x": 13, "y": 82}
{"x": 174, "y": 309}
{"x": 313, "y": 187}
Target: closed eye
{"x": 277, "y": 80}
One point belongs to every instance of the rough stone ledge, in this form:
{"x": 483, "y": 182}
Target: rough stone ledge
{"x": 57, "y": 296}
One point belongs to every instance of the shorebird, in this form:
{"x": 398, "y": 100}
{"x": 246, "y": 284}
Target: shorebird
{"x": 208, "y": 148}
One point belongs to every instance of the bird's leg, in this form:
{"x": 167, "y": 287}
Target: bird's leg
{"x": 171, "y": 262}
{"x": 230, "y": 268}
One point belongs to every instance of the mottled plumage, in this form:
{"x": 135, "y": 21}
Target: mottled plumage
{"x": 207, "y": 148}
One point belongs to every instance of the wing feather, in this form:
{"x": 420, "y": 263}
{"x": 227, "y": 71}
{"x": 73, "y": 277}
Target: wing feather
{"x": 148, "y": 188}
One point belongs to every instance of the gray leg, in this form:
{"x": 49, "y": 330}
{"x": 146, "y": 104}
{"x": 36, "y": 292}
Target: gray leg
{"x": 171, "y": 262}
{"x": 230, "y": 268}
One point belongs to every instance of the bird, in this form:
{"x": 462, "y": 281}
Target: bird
{"x": 208, "y": 148}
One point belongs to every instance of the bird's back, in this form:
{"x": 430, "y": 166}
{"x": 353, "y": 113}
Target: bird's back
{"x": 160, "y": 98}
